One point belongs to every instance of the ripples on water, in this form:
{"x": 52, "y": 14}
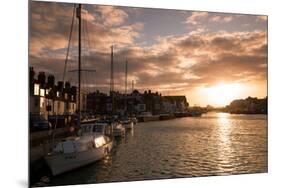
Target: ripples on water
{"x": 214, "y": 144}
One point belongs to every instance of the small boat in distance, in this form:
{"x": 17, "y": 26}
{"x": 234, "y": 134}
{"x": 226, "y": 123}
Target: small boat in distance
{"x": 118, "y": 129}
{"x": 166, "y": 116}
{"x": 128, "y": 123}
{"x": 147, "y": 116}
{"x": 134, "y": 120}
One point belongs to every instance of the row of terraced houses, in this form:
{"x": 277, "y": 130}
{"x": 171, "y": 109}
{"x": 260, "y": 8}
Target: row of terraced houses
{"x": 49, "y": 99}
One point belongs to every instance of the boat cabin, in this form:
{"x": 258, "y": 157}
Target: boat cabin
{"x": 80, "y": 144}
{"x": 98, "y": 127}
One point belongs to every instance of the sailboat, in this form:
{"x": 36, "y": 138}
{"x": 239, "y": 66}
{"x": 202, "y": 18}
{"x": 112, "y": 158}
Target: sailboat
{"x": 118, "y": 129}
{"x": 126, "y": 121}
{"x": 92, "y": 144}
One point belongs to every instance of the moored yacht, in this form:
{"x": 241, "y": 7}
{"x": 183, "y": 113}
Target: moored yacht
{"x": 128, "y": 123}
{"x": 75, "y": 152}
{"x": 147, "y": 116}
{"x": 118, "y": 129}
{"x": 91, "y": 144}
{"x": 134, "y": 120}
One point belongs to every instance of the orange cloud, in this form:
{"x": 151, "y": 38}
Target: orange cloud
{"x": 262, "y": 18}
{"x": 112, "y": 16}
{"x": 221, "y": 19}
{"x": 195, "y": 17}
{"x": 50, "y": 27}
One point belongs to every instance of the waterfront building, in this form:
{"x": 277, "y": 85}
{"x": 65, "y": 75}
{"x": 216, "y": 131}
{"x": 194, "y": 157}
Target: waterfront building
{"x": 173, "y": 104}
{"x": 152, "y": 101}
{"x": 47, "y": 99}
{"x": 97, "y": 103}
{"x": 135, "y": 103}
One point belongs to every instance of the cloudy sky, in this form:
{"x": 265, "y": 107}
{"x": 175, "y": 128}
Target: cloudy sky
{"x": 201, "y": 55}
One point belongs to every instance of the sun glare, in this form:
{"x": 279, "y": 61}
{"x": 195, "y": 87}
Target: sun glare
{"x": 222, "y": 94}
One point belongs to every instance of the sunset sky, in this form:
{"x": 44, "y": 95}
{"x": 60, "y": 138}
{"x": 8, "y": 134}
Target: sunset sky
{"x": 211, "y": 58}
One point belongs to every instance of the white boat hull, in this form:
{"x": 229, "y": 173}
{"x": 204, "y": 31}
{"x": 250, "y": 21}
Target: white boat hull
{"x": 64, "y": 162}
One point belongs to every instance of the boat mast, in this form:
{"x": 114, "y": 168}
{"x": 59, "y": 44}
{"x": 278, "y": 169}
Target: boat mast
{"x": 133, "y": 84}
{"x": 111, "y": 71}
{"x": 78, "y": 15}
{"x": 126, "y": 75}
{"x": 112, "y": 81}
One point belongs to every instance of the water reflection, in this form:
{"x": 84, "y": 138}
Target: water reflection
{"x": 224, "y": 128}
{"x": 225, "y": 149}
{"x": 215, "y": 144}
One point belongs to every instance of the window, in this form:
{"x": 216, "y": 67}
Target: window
{"x": 47, "y": 91}
{"x": 58, "y": 94}
{"x": 42, "y": 102}
{"x": 42, "y": 92}
{"x": 72, "y": 97}
{"x": 36, "y": 89}
{"x": 65, "y": 95}
{"x": 99, "y": 142}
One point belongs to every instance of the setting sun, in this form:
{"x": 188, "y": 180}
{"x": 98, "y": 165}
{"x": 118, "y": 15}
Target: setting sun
{"x": 222, "y": 94}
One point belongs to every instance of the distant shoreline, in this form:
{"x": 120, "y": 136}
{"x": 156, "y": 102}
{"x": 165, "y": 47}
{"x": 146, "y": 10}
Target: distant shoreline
{"x": 245, "y": 113}
{"x": 248, "y": 113}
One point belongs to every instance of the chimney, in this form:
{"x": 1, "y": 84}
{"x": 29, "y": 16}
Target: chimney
{"x": 42, "y": 78}
{"x": 73, "y": 91}
{"x": 51, "y": 80}
{"x": 60, "y": 85}
{"x": 67, "y": 86}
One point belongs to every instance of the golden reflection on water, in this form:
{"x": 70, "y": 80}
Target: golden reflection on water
{"x": 225, "y": 127}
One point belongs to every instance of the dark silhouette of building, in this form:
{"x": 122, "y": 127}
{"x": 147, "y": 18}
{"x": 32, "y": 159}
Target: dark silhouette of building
{"x": 249, "y": 105}
{"x": 135, "y": 103}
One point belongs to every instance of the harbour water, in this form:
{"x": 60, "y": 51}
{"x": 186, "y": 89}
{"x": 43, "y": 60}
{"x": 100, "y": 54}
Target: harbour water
{"x": 214, "y": 144}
